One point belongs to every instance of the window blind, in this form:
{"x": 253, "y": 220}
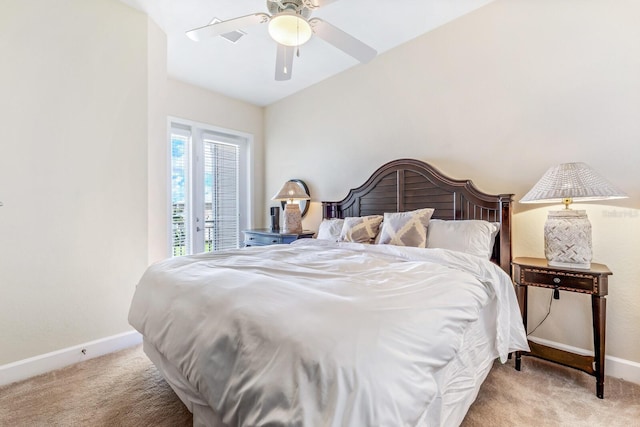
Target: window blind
{"x": 221, "y": 198}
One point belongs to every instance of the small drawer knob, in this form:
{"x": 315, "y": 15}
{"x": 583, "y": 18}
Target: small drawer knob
{"x": 556, "y": 280}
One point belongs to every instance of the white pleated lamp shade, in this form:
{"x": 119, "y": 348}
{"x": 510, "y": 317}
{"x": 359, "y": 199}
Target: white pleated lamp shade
{"x": 291, "y": 191}
{"x": 576, "y": 181}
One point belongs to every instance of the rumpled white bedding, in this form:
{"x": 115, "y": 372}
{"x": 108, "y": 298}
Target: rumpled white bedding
{"x": 319, "y": 333}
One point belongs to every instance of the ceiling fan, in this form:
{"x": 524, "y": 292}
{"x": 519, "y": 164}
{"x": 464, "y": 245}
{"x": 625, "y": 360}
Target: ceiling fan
{"x": 290, "y": 26}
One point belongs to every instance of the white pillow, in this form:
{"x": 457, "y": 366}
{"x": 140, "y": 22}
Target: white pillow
{"x": 475, "y": 237}
{"x": 405, "y": 228}
{"x": 360, "y": 229}
{"x": 330, "y": 229}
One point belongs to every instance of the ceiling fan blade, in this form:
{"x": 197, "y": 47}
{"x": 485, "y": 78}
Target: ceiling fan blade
{"x": 284, "y": 62}
{"x": 224, "y": 27}
{"x": 343, "y": 41}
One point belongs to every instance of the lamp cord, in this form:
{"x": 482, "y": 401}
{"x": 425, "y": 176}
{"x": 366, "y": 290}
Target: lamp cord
{"x": 545, "y": 317}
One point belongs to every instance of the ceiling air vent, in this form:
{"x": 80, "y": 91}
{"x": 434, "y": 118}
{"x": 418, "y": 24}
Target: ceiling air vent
{"x": 232, "y": 36}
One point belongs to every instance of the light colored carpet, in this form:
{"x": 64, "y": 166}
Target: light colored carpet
{"x": 119, "y": 389}
{"x": 125, "y": 389}
{"x": 547, "y": 394}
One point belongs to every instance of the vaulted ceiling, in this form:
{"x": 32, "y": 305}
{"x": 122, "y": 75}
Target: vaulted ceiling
{"x": 245, "y": 70}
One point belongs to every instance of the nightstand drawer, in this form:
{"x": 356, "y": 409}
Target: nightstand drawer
{"x": 586, "y": 283}
{"x": 261, "y": 240}
{"x": 266, "y": 237}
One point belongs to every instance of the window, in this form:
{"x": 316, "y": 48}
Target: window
{"x": 208, "y": 188}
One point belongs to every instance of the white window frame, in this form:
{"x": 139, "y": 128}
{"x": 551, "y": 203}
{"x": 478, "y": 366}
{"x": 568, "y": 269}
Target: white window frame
{"x": 195, "y": 185}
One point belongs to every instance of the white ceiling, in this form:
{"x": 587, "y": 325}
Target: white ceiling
{"x": 245, "y": 70}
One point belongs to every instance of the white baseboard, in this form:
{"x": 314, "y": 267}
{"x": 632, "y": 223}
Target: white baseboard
{"x": 27, "y": 368}
{"x": 613, "y": 366}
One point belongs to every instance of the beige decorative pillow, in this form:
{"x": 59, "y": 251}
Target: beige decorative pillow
{"x": 405, "y": 228}
{"x": 360, "y": 229}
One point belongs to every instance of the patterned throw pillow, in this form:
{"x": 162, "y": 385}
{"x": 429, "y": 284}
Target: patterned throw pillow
{"x": 330, "y": 229}
{"x": 405, "y": 228}
{"x": 360, "y": 229}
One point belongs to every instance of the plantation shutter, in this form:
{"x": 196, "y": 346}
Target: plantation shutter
{"x": 221, "y": 199}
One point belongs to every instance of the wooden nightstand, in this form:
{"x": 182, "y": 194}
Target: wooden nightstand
{"x": 266, "y": 237}
{"x": 594, "y": 282}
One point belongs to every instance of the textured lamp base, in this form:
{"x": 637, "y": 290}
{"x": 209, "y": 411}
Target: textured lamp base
{"x": 292, "y": 219}
{"x": 567, "y": 239}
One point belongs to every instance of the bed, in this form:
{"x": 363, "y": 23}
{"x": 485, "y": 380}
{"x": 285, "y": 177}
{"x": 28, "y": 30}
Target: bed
{"x": 340, "y": 331}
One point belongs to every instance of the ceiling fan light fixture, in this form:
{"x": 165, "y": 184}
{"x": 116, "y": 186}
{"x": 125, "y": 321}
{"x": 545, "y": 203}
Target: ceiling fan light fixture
{"x": 289, "y": 29}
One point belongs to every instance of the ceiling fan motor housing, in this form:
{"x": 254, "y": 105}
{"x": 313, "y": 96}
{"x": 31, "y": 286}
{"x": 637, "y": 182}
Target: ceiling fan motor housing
{"x": 298, "y": 6}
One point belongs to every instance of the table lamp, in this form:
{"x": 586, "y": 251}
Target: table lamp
{"x": 290, "y": 191}
{"x": 567, "y": 232}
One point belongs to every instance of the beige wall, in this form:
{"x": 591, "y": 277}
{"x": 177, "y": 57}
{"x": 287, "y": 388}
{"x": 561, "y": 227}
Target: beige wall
{"x": 73, "y": 171}
{"x": 498, "y": 96}
{"x": 158, "y": 154}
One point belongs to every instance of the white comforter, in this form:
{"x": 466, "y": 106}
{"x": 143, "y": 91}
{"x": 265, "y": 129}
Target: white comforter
{"x": 318, "y": 333}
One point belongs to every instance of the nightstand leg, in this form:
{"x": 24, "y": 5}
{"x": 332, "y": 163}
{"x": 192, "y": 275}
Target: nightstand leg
{"x": 599, "y": 307}
{"x": 521, "y": 293}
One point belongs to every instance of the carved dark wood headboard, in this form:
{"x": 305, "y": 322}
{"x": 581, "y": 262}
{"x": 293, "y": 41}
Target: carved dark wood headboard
{"x": 407, "y": 184}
